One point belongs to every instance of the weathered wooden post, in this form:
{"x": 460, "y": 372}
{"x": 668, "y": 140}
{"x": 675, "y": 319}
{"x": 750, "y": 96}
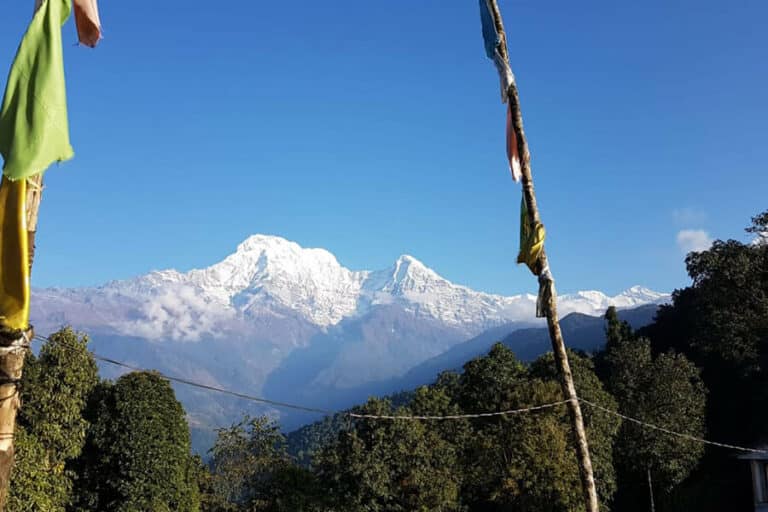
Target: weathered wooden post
{"x": 13, "y": 350}
{"x": 547, "y": 304}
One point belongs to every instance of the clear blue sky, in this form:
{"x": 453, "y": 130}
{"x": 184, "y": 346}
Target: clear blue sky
{"x": 375, "y": 128}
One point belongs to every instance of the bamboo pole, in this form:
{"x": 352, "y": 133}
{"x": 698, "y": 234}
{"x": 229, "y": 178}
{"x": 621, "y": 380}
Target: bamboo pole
{"x": 546, "y": 281}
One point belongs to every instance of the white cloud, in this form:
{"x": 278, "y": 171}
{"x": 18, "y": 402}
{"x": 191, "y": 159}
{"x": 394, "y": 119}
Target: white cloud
{"x": 178, "y": 313}
{"x": 688, "y": 216}
{"x": 697, "y": 240}
{"x": 760, "y": 239}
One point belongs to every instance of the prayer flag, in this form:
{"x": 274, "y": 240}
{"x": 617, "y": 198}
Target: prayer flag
{"x": 87, "y": 21}
{"x": 14, "y": 255}
{"x": 513, "y": 154}
{"x": 531, "y": 240}
{"x": 34, "y": 131}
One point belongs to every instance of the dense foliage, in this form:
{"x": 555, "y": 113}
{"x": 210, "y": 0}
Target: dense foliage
{"x": 51, "y": 427}
{"x": 664, "y": 390}
{"x": 517, "y": 462}
{"x": 86, "y": 445}
{"x": 720, "y": 323}
{"x": 137, "y": 453}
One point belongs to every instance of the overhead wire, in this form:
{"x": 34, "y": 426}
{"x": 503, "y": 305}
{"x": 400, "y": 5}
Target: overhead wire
{"x": 670, "y": 432}
{"x": 459, "y": 416}
{"x": 200, "y": 385}
{"x": 355, "y": 415}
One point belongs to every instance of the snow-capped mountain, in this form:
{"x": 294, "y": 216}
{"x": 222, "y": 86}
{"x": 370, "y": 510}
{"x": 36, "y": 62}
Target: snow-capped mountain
{"x": 269, "y": 274}
{"x": 293, "y": 323}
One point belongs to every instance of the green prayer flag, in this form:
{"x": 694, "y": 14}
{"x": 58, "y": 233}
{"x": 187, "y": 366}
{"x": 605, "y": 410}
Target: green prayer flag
{"x": 34, "y": 131}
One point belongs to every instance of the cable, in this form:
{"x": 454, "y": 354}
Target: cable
{"x": 407, "y": 417}
{"x": 671, "y": 432}
{"x": 460, "y": 416}
{"x": 181, "y": 380}
{"x": 188, "y": 382}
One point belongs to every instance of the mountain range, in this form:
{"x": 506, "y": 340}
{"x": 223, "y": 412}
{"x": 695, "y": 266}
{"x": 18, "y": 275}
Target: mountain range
{"x": 276, "y": 319}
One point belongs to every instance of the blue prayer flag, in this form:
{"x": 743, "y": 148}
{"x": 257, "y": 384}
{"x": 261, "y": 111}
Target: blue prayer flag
{"x": 490, "y": 36}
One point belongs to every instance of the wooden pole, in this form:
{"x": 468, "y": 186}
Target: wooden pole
{"x": 546, "y": 281}
{"x": 34, "y": 196}
{"x": 650, "y": 491}
{"x": 12, "y": 354}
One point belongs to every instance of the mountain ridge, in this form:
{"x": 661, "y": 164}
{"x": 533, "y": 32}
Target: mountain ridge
{"x": 271, "y": 273}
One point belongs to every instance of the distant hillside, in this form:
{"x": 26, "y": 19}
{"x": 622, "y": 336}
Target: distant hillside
{"x": 581, "y": 332}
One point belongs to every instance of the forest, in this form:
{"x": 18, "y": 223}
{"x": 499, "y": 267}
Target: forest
{"x": 88, "y": 444}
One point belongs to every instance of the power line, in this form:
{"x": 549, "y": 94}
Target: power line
{"x": 188, "y": 382}
{"x": 670, "y": 432}
{"x": 460, "y": 416}
{"x": 286, "y": 405}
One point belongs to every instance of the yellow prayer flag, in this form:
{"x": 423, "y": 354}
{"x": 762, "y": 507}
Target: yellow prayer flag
{"x": 531, "y": 240}
{"x": 14, "y": 255}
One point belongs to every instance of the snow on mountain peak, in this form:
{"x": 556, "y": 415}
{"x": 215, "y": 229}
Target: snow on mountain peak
{"x": 272, "y": 275}
{"x": 275, "y": 270}
{"x": 637, "y": 296}
{"x": 410, "y": 275}
{"x": 641, "y": 292}
{"x": 408, "y": 260}
{"x": 280, "y": 250}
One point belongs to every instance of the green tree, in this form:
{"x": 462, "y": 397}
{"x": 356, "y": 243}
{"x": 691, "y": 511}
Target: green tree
{"x": 720, "y": 323}
{"x": 210, "y": 500}
{"x": 295, "y": 489}
{"x": 527, "y": 461}
{"x": 250, "y": 471}
{"x": 667, "y": 391}
{"x": 394, "y": 465}
{"x": 759, "y": 228}
{"x": 601, "y": 428}
{"x": 34, "y": 484}
{"x": 137, "y": 455}
{"x": 616, "y": 330}
{"x": 51, "y": 428}
{"x": 244, "y": 461}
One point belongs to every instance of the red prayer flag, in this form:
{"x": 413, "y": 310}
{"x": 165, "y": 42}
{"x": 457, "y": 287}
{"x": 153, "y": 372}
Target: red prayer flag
{"x": 87, "y": 21}
{"x": 512, "y": 154}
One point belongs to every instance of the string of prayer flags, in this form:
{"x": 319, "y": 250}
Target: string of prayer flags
{"x": 531, "y": 236}
{"x": 493, "y": 41}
